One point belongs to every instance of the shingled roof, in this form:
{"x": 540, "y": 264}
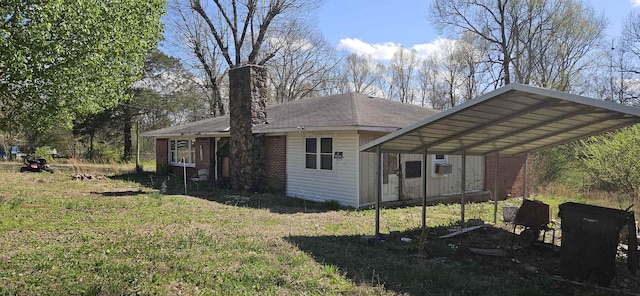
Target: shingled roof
{"x": 335, "y": 112}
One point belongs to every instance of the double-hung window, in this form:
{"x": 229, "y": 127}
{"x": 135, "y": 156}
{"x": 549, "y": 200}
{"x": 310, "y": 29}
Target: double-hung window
{"x": 319, "y": 153}
{"x": 182, "y": 149}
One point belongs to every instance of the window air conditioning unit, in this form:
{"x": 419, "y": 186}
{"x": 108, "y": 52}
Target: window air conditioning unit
{"x": 443, "y": 168}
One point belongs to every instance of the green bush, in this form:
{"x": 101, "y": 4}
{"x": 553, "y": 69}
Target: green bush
{"x": 612, "y": 160}
{"x": 44, "y": 152}
{"x": 104, "y": 153}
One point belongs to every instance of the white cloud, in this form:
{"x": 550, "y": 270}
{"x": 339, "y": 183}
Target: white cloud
{"x": 385, "y": 51}
{"x": 378, "y": 51}
{"x": 436, "y": 47}
{"x": 635, "y": 3}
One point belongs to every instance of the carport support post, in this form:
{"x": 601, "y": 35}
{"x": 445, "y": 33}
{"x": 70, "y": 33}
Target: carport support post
{"x": 424, "y": 190}
{"x": 524, "y": 180}
{"x": 495, "y": 190}
{"x": 463, "y": 186}
{"x": 379, "y": 185}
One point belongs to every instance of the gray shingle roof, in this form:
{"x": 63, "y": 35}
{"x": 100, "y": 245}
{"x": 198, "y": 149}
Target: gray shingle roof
{"x": 208, "y": 126}
{"x": 351, "y": 110}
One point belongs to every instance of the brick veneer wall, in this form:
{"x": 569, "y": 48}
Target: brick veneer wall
{"x": 162, "y": 157}
{"x": 510, "y": 175}
{"x": 275, "y": 162}
{"x": 162, "y": 154}
{"x": 204, "y": 162}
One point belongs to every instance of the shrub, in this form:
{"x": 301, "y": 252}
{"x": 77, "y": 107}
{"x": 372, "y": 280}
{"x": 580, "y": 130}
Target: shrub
{"x": 44, "y": 152}
{"x": 104, "y": 153}
{"x": 613, "y": 159}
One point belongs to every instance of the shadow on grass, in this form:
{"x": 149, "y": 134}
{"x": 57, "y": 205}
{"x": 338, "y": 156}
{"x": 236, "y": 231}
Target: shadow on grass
{"x": 119, "y": 193}
{"x": 446, "y": 267}
{"x": 275, "y": 202}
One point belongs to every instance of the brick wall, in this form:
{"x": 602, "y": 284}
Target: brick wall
{"x": 203, "y": 154}
{"x": 510, "y": 175}
{"x": 162, "y": 154}
{"x": 275, "y": 162}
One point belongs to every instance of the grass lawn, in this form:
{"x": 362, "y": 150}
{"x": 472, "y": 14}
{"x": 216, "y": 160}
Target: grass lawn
{"x": 118, "y": 235}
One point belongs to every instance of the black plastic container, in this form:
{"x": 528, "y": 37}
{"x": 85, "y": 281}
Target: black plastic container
{"x": 590, "y": 236}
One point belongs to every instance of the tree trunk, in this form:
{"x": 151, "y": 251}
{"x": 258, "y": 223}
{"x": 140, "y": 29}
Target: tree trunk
{"x": 126, "y": 155}
{"x": 247, "y": 104}
{"x": 91, "y": 136}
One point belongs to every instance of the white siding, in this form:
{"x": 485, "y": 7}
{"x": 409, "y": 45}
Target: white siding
{"x": 339, "y": 184}
{"x": 437, "y": 185}
{"x": 368, "y": 170}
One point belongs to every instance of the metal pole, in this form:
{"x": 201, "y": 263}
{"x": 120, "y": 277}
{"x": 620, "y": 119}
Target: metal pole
{"x": 524, "y": 181}
{"x": 379, "y": 185}
{"x": 184, "y": 173}
{"x": 495, "y": 190}
{"x": 215, "y": 157}
{"x": 463, "y": 187}
{"x": 424, "y": 190}
{"x": 138, "y": 146}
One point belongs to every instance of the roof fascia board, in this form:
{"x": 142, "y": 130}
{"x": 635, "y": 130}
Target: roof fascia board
{"x": 327, "y": 128}
{"x": 580, "y": 99}
{"x": 185, "y": 135}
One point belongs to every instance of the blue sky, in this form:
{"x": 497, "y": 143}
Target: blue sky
{"x": 378, "y": 27}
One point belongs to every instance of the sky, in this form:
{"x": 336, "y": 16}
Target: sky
{"x": 379, "y": 27}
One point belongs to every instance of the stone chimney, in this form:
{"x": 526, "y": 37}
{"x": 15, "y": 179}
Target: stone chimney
{"x": 247, "y": 108}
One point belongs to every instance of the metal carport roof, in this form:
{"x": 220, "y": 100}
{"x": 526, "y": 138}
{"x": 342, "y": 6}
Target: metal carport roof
{"x": 513, "y": 120}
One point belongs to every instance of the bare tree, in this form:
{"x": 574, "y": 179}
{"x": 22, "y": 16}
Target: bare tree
{"x": 402, "y": 75}
{"x": 630, "y": 71}
{"x": 469, "y": 55}
{"x": 302, "y": 66}
{"x": 241, "y": 29}
{"x": 191, "y": 32}
{"x": 430, "y": 86}
{"x": 493, "y": 20}
{"x": 452, "y": 72}
{"x": 533, "y": 42}
{"x": 359, "y": 74}
{"x": 428, "y": 82}
{"x": 562, "y": 51}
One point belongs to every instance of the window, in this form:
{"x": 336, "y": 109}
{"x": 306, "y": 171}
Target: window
{"x": 413, "y": 169}
{"x": 319, "y": 153}
{"x": 179, "y": 149}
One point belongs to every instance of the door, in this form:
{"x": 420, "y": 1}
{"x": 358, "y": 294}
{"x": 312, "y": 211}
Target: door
{"x": 390, "y": 178}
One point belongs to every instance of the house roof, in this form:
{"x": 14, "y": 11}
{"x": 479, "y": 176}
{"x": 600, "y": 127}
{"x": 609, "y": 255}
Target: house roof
{"x": 210, "y": 126}
{"x": 344, "y": 111}
{"x": 513, "y": 120}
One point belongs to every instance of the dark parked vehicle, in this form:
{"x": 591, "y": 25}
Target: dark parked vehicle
{"x": 37, "y": 164}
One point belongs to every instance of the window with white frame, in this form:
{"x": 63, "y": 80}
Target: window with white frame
{"x": 439, "y": 158}
{"x": 182, "y": 149}
{"x": 319, "y": 153}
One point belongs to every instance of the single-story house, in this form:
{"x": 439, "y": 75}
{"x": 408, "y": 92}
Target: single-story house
{"x": 311, "y": 151}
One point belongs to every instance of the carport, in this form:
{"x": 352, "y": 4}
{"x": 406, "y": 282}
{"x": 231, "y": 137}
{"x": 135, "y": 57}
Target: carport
{"x": 513, "y": 120}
